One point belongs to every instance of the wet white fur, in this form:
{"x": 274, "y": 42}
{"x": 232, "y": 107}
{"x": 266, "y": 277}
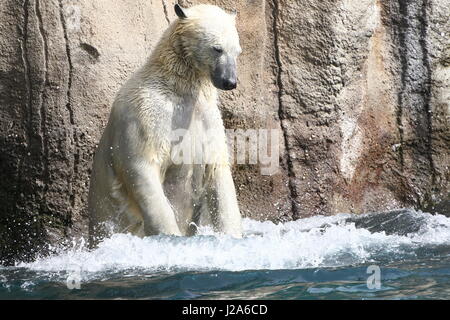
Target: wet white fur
{"x": 135, "y": 186}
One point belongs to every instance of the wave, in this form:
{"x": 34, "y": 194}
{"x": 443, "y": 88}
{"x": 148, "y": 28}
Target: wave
{"x": 316, "y": 242}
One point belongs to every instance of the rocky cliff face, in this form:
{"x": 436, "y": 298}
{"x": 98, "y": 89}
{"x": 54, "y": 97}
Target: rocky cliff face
{"x": 360, "y": 91}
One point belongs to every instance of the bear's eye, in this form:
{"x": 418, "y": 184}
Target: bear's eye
{"x": 218, "y": 49}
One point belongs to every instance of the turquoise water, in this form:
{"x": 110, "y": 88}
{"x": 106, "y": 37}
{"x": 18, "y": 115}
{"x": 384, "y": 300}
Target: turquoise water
{"x": 314, "y": 258}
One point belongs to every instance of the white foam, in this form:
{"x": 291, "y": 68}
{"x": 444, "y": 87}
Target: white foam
{"x": 293, "y": 245}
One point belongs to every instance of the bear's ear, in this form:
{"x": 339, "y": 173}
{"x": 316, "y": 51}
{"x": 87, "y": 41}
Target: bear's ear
{"x": 181, "y": 13}
{"x": 233, "y": 13}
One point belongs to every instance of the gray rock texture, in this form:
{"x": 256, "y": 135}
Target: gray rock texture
{"x": 360, "y": 91}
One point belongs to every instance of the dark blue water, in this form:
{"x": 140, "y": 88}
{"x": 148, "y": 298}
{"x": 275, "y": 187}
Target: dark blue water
{"x": 314, "y": 258}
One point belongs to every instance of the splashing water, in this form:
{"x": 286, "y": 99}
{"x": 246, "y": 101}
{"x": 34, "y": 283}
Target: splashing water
{"x": 271, "y": 261}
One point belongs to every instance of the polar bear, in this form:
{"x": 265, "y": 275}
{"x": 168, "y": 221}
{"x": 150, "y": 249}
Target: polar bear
{"x": 138, "y": 184}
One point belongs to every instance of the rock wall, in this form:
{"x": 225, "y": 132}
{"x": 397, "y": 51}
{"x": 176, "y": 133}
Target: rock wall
{"x": 358, "y": 89}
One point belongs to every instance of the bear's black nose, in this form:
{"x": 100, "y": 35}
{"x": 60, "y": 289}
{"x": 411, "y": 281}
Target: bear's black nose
{"x": 229, "y": 84}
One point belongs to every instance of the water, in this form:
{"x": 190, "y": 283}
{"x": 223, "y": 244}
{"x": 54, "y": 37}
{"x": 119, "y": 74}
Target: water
{"x": 314, "y": 258}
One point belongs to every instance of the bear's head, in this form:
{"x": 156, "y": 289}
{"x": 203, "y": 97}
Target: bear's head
{"x": 210, "y": 41}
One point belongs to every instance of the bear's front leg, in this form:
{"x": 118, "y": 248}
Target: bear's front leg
{"x": 223, "y": 202}
{"x": 143, "y": 183}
